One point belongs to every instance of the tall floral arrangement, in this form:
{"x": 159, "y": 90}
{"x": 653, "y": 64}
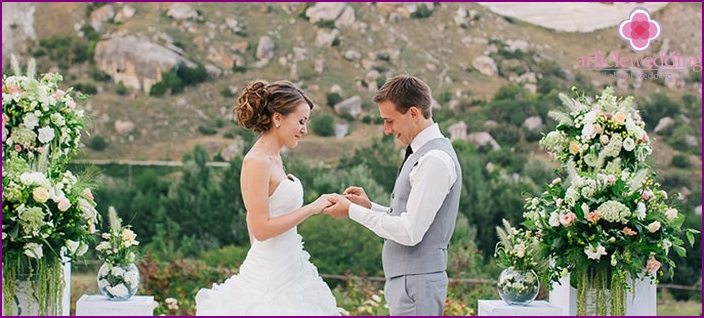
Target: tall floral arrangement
{"x": 606, "y": 219}
{"x": 48, "y": 213}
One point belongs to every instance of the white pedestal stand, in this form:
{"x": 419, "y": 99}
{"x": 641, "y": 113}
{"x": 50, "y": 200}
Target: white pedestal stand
{"x": 643, "y": 304}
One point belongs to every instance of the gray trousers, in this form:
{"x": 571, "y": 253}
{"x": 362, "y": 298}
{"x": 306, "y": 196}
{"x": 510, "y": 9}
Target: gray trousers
{"x": 416, "y": 295}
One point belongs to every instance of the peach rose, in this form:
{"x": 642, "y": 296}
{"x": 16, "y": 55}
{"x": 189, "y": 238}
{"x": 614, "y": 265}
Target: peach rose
{"x": 40, "y": 194}
{"x": 593, "y": 216}
{"x": 628, "y": 231}
{"x": 619, "y": 118}
{"x": 653, "y": 265}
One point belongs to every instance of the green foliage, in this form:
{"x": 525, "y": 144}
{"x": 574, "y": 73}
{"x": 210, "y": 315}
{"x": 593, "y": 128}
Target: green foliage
{"x": 180, "y": 279}
{"x": 191, "y": 76}
{"x": 176, "y": 80}
{"x": 506, "y": 135}
{"x": 99, "y": 76}
{"x": 207, "y": 130}
{"x": 226, "y": 256}
{"x": 97, "y": 143}
{"x": 120, "y": 89}
{"x": 660, "y": 105}
{"x": 381, "y": 157}
{"x": 227, "y": 93}
{"x": 507, "y": 159}
{"x": 422, "y": 12}
{"x": 361, "y": 297}
{"x": 201, "y": 207}
{"x": 681, "y": 161}
{"x": 66, "y": 51}
{"x": 85, "y": 88}
{"x": 332, "y": 98}
{"x": 323, "y": 125}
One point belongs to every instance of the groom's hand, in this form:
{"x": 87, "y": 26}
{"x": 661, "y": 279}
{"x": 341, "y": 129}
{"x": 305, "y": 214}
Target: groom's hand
{"x": 357, "y": 196}
{"x": 339, "y": 208}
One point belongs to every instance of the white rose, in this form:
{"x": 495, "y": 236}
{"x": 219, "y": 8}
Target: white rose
{"x": 31, "y": 120}
{"x": 654, "y": 227}
{"x": 46, "y": 134}
{"x": 671, "y": 214}
{"x": 629, "y": 144}
{"x": 554, "y": 219}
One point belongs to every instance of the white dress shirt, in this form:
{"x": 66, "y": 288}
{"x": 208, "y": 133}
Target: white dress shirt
{"x": 431, "y": 180}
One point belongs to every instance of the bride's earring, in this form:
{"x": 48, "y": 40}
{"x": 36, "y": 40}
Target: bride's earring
{"x": 278, "y": 125}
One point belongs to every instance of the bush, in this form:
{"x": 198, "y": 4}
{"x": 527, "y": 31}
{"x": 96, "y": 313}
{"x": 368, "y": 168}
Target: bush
{"x": 323, "y": 125}
{"x": 97, "y": 143}
{"x": 85, "y": 88}
{"x": 681, "y": 161}
{"x": 120, "y": 89}
{"x": 422, "y": 12}
{"x": 180, "y": 279}
{"x": 506, "y": 134}
{"x": 333, "y": 98}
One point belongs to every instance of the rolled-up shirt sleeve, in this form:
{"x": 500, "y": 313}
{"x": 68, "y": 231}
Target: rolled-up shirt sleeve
{"x": 431, "y": 180}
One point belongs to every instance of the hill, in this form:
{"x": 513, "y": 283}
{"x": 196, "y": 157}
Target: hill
{"x": 465, "y": 51}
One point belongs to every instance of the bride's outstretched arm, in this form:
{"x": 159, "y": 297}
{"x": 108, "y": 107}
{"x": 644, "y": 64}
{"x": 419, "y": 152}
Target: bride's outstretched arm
{"x": 254, "y": 180}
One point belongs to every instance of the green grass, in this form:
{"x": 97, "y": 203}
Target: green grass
{"x": 679, "y": 308}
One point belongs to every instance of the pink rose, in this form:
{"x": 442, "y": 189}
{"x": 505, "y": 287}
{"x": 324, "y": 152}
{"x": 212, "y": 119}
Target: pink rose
{"x": 14, "y": 90}
{"x": 88, "y": 194}
{"x": 653, "y": 265}
{"x": 647, "y": 195}
{"x": 611, "y": 179}
{"x": 567, "y": 219}
{"x": 5, "y": 119}
{"x": 58, "y": 94}
{"x": 64, "y": 204}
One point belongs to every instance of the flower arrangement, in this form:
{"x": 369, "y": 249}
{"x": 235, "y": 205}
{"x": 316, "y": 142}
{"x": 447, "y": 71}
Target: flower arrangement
{"x": 516, "y": 248}
{"x": 516, "y": 251}
{"x": 119, "y": 245}
{"x": 48, "y": 213}
{"x": 37, "y": 115}
{"x": 118, "y": 277}
{"x": 608, "y": 219}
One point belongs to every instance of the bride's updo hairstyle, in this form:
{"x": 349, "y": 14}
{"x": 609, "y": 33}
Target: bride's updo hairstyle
{"x": 260, "y": 100}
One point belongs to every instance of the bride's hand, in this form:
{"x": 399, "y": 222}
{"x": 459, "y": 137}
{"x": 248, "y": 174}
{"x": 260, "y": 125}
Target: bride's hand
{"x": 321, "y": 203}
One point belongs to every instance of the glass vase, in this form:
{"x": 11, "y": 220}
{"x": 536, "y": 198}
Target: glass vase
{"x": 518, "y": 287}
{"x": 118, "y": 282}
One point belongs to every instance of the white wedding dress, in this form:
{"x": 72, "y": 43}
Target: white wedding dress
{"x": 276, "y": 278}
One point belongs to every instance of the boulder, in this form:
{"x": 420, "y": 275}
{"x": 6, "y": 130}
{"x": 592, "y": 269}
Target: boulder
{"x": 137, "y": 63}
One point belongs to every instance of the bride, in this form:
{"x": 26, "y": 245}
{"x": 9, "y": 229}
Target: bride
{"x": 276, "y": 278}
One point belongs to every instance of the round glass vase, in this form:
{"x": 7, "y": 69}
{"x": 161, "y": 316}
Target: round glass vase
{"x": 518, "y": 287}
{"x": 118, "y": 282}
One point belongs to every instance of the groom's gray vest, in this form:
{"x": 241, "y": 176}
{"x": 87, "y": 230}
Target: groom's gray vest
{"x": 430, "y": 255}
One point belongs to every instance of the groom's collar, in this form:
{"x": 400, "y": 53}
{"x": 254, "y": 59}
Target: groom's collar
{"x": 429, "y": 133}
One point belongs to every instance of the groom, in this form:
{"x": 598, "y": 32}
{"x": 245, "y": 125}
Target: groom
{"x": 421, "y": 218}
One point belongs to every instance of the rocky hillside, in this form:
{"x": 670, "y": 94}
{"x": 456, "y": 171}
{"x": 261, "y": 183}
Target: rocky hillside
{"x": 465, "y": 51}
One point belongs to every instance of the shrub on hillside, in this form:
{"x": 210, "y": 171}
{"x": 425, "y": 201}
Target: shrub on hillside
{"x": 323, "y": 125}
